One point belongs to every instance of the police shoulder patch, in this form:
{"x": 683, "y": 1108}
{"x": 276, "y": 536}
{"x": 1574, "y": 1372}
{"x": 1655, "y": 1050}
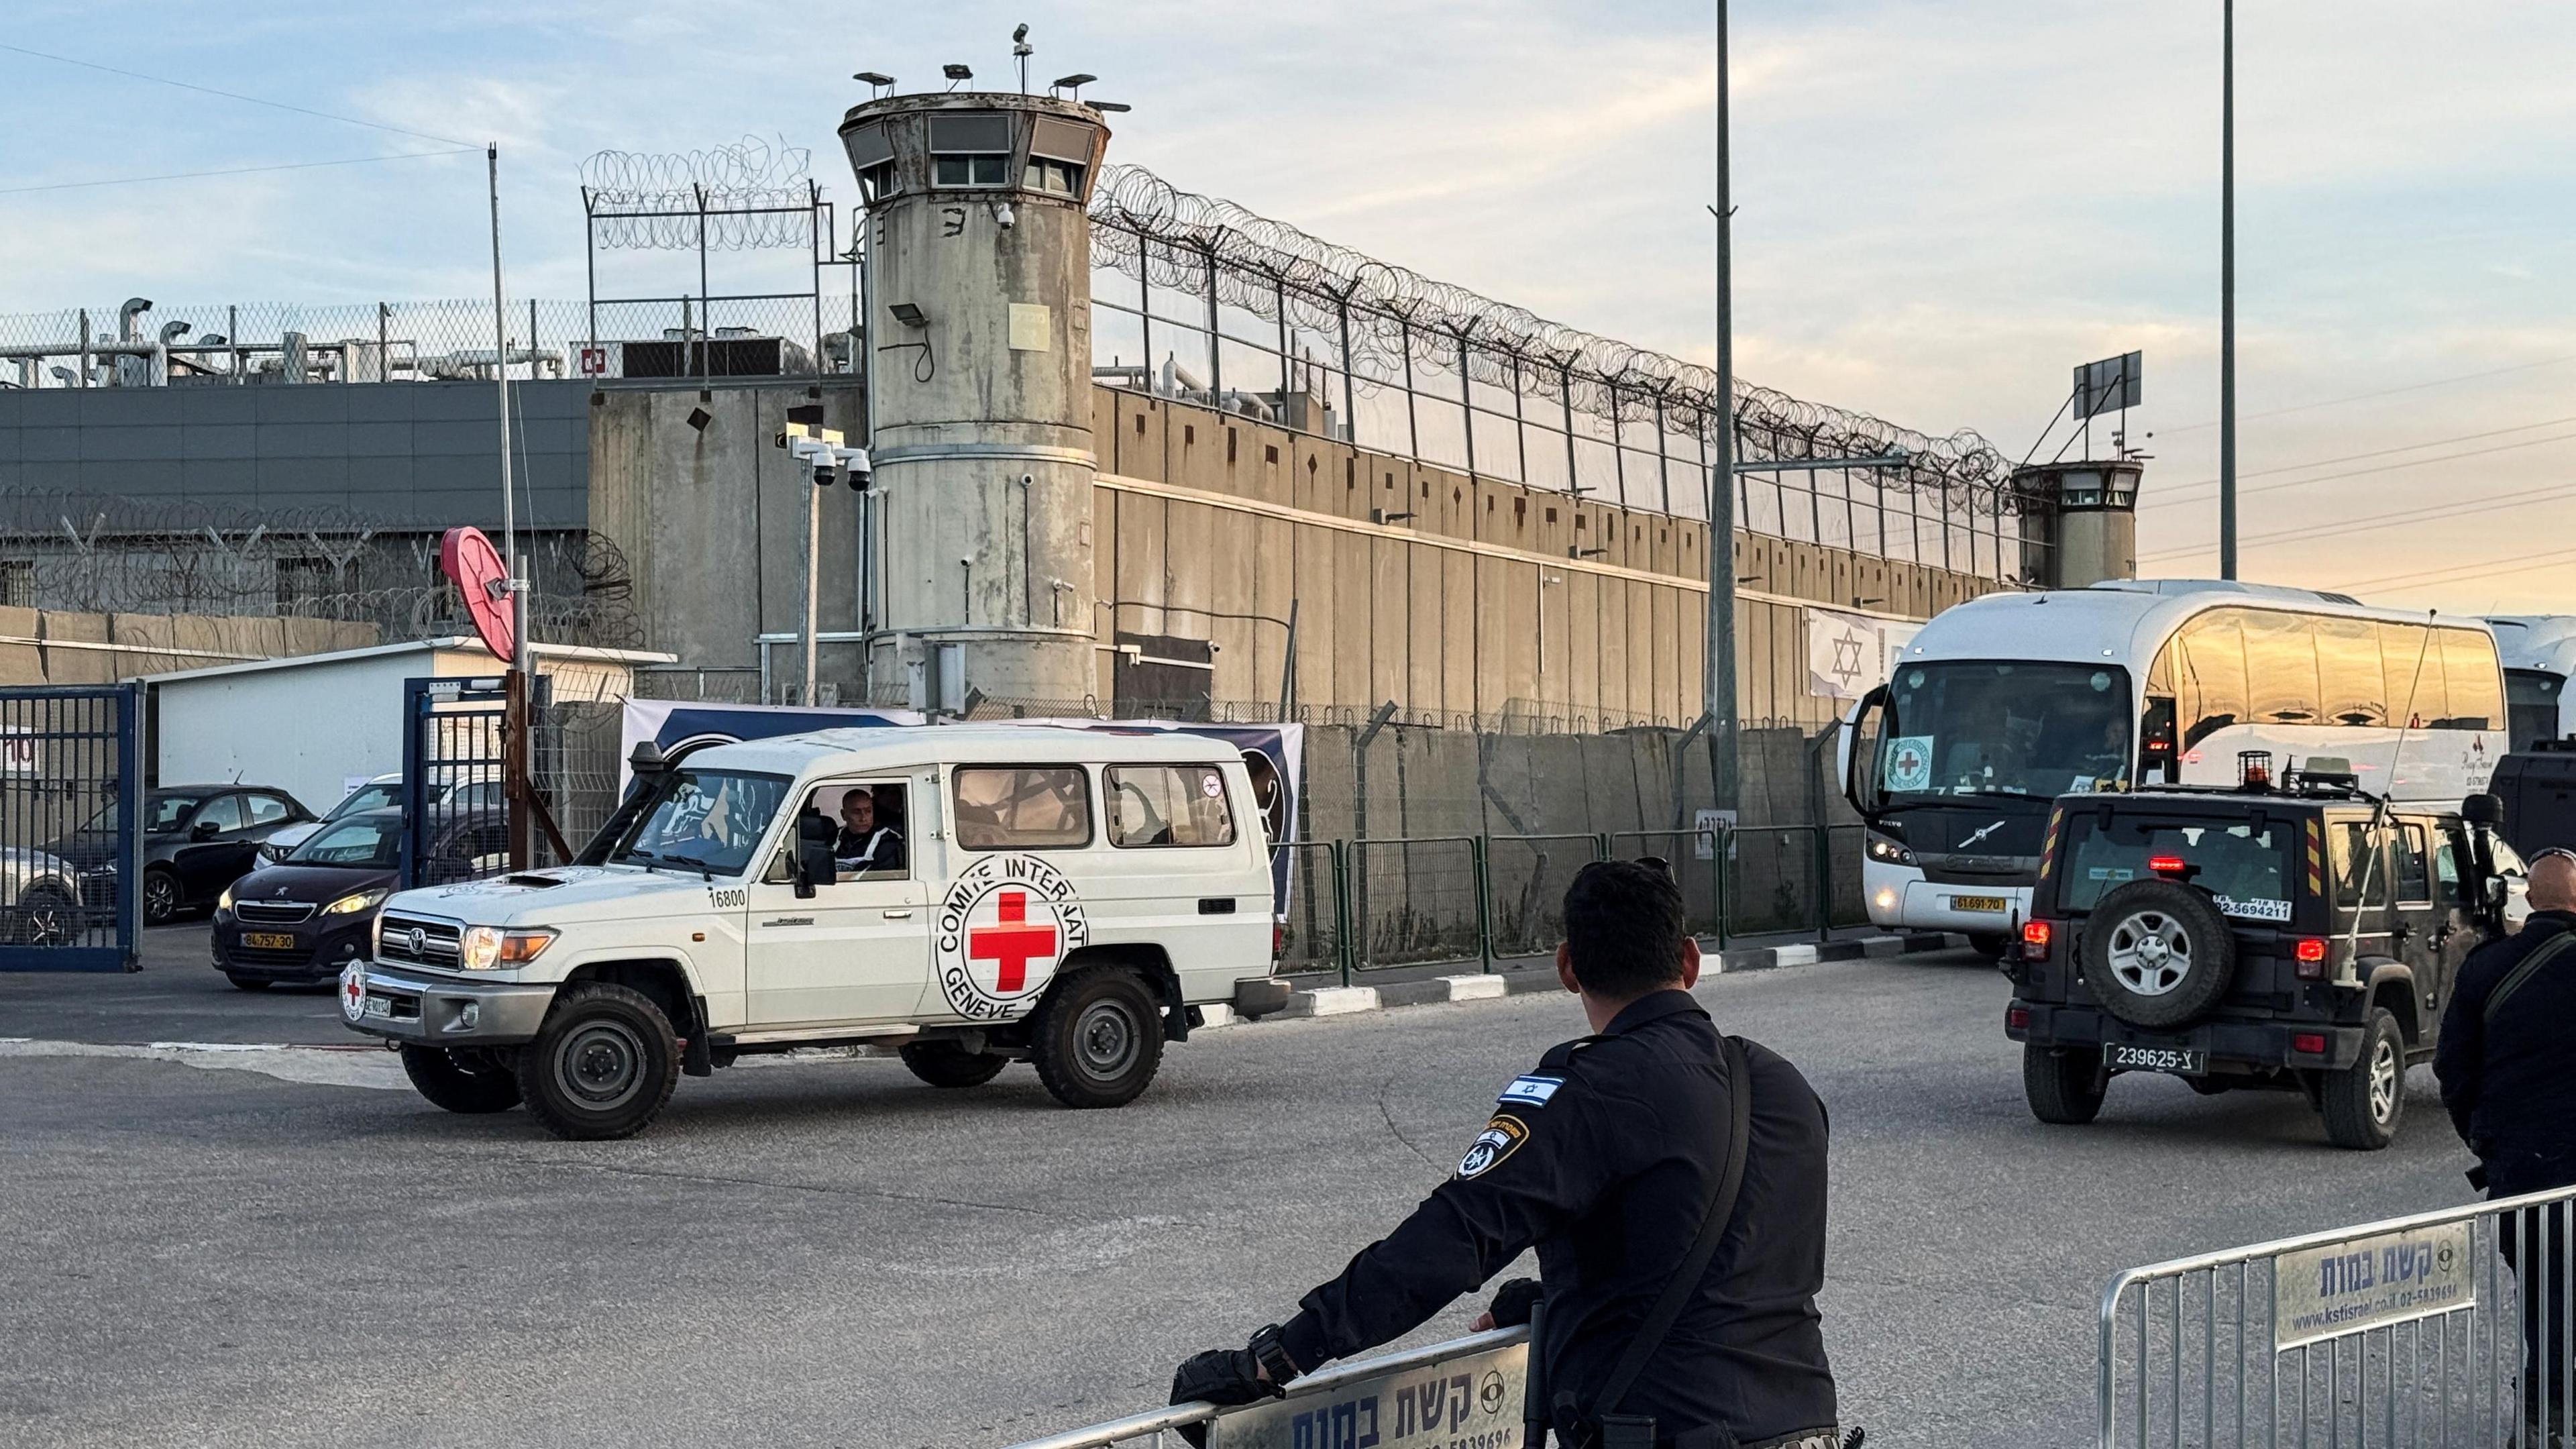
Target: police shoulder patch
{"x": 1532, "y": 1090}
{"x": 1501, "y": 1138}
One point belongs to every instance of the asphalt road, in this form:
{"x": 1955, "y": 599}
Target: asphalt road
{"x": 830, "y": 1253}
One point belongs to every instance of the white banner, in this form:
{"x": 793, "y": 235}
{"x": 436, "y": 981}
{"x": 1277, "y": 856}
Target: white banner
{"x": 1848, "y": 655}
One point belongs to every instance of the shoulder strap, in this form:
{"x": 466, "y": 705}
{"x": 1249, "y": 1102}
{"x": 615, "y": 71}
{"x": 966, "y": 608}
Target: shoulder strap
{"x": 1694, "y": 1265}
{"x": 2525, "y": 969}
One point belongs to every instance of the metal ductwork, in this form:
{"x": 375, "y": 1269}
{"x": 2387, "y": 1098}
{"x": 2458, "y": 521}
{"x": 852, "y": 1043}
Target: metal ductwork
{"x": 126, "y": 328}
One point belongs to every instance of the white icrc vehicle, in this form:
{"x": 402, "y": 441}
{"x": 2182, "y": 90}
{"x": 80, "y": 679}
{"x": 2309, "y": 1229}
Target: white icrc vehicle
{"x": 1068, "y": 897}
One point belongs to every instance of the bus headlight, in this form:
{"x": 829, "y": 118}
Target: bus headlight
{"x": 1888, "y": 852}
{"x": 486, "y": 948}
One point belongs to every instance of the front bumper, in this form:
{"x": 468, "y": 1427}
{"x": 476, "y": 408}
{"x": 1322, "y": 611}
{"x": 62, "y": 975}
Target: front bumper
{"x": 433, "y": 1010}
{"x": 2238, "y": 1043}
{"x": 1899, "y": 896}
{"x": 321, "y": 947}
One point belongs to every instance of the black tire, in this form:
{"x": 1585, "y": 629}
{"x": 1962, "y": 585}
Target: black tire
{"x": 162, "y": 897}
{"x": 46, "y": 915}
{"x": 602, "y": 1066}
{"x": 942, "y": 1064}
{"x": 471, "y": 1085}
{"x": 2364, "y": 1102}
{"x": 2158, "y": 954}
{"x": 1989, "y": 944}
{"x": 1098, "y": 1038}
{"x": 253, "y": 983}
{"x": 2064, "y": 1084}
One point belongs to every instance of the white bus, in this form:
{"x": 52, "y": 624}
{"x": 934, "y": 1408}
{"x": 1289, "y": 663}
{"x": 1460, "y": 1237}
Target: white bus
{"x": 2539, "y": 654}
{"x": 2005, "y": 702}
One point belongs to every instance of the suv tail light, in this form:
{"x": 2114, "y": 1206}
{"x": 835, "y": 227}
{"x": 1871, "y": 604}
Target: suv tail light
{"x": 2034, "y": 940}
{"x": 2165, "y": 865}
{"x": 2017, "y": 1018}
{"x": 2311, "y": 953}
{"x": 1278, "y": 938}
{"x": 2308, "y": 1043}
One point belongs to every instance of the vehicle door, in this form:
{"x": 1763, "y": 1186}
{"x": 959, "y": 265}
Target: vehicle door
{"x": 857, "y": 948}
{"x": 1174, "y": 872}
{"x": 2357, "y": 856}
{"x": 217, "y": 849}
{"x": 2454, "y": 894}
{"x": 2416, "y": 924}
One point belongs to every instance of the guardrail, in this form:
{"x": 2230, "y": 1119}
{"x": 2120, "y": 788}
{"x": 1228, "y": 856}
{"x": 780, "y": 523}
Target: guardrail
{"x": 2406, "y": 1333}
{"x": 1462, "y": 1390}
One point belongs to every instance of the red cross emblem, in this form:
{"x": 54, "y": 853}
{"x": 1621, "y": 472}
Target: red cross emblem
{"x": 1013, "y": 943}
{"x": 353, "y": 993}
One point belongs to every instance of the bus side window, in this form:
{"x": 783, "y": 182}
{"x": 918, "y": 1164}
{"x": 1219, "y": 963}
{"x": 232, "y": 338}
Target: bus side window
{"x": 2212, "y": 676}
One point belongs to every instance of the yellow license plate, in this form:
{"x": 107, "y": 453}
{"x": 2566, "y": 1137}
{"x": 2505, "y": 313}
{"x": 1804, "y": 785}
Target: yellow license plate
{"x": 268, "y": 941}
{"x": 1978, "y": 903}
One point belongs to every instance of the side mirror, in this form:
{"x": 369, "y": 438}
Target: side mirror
{"x": 814, "y": 837}
{"x": 203, "y": 830}
{"x": 2486, "y": 810}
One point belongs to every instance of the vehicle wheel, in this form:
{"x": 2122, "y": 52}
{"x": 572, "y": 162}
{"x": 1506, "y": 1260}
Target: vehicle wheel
{"x": 1989, "y": 944}
{"x": 2363, "y": 1101}
{"x": 2157, "y": 953}
{"x": 1097, "y": 1038}
{"x": 472, "y": 1085}
{"x": 44, "y": 916}
{"x": 602, "y": 1066}
{"x": 2064, "y": 1084}
{"x": 246, "y": 983}
{"x": 160, "y": 897}
{"x": 943, "y": 1065}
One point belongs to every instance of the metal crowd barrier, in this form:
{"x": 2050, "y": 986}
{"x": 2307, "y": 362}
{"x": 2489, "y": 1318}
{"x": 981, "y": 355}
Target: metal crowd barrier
{"x": 2409, "y": 1333}
{"x": 1464, "y": 1391}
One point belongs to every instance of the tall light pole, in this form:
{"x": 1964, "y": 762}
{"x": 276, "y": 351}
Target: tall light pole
{"x": 2227, "y": 292}
{"x": 1717, "y": 672}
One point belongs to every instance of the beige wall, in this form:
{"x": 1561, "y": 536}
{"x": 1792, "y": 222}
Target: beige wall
{"x": 1472, "y": 606}
{"x": 135, "y": 644}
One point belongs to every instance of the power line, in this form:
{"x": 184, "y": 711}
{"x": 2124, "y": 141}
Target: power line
{"x": 2166, "y": 502}
{"x": 2383, "y": 392}
{"x": 2372, "y": 522}
{"x": 232, "y": 171}
{"x": 235, "y": 96}
{"x": 2394, "y": 467}
{"x": 2522, "y": 563}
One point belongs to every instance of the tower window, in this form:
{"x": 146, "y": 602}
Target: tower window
{"x": 872, "y": 156}
{"x": 1061, "y": 177}
{"x": 1059, "y": 153}
{"x": 969, "y": 150}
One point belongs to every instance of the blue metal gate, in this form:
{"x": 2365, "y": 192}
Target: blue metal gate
{"x": 71, "y": 808}
{"x": 455, "y": 803}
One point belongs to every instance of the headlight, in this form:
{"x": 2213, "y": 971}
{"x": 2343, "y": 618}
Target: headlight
{"x": 486, "y": 948}
{"x": 354, "y": 902}
{"x": 224, "y": 902}
{"x": 1888, "y": 852}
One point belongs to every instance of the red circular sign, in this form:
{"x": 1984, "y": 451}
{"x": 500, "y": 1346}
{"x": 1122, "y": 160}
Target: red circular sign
{"x": 471, "y": 563}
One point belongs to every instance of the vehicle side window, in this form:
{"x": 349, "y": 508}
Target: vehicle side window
{"x": 2446, "y": 869}
{"x": 871, "y": 835}
{"x": 1021, "y": 807}
{"x": 2414, "y": 876}
{"x": 224, "y": 810}
{"x": 2212, "y": 676}
{"x": 2356, "y": 860}
{"x": 1153, "y": 805}
{"x": 267, "y": 809}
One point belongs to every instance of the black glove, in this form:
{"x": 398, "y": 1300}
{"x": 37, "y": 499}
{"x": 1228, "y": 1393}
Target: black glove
{"x": 1220, "y": 1376}
{"x": 1513, "y": 1302}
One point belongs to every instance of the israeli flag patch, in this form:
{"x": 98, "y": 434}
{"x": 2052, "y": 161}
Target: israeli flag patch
{"x": 1532, "y": 1091}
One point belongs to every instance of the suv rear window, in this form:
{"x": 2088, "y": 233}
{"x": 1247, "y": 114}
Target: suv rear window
{"x": 2245, "y": 866}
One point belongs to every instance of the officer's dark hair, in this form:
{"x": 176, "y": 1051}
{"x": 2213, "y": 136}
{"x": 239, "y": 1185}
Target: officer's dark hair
{"x": 1624, "y": 928}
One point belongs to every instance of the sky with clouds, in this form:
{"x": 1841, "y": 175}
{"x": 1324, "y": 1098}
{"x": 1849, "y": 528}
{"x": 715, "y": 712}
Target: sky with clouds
{"x": 1942, "y": 206}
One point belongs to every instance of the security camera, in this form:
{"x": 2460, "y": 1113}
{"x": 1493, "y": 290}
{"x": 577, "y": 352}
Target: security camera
{"x": 1003, "y": 216}
{"x": 1028, "y": 480}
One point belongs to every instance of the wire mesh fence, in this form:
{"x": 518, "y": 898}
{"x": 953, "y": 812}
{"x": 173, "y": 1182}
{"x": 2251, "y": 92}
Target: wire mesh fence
{"x": 1698, "y": 861}
{"x": 1316, "y": 933}
{"x": 1771, "y": 879}
{"x": 1418, "y": 901}
{"x": 1526, "y": 878}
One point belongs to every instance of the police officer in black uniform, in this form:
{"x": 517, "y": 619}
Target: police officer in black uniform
{"x": 1607, "y": 1158}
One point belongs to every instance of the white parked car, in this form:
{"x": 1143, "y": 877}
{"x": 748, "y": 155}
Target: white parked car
{"x": 976, "y": 895}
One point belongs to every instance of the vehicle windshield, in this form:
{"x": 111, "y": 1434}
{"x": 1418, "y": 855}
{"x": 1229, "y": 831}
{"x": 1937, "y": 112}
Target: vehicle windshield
{"x": 2021, "y": 728}
{"x": 371, "y": 844}
{"x": 2531, "y": 705}
{"x": 368, "y": 797}
{"x": 705, "y": 820}
{"x": 2245, "y": 865}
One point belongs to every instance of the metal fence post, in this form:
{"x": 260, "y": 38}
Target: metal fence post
{"x": 1341, "y": 870}
{"x": 1720, "y": 845}
{"x": 1824, "y": 865}
{"x": 1479, "y": 854}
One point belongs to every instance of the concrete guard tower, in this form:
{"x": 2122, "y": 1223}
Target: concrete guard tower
{"x": 978, "y": 298}
{"x": 2079, "y": 521}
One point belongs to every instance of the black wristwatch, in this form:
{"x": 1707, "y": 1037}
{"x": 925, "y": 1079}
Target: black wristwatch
{"x": 1270, "y": 1350}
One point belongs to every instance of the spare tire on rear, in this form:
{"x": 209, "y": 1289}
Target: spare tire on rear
{"x": 2157, "y": 953}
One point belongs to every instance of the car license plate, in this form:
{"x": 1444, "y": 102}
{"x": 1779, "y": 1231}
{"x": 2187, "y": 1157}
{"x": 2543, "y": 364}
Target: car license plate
{"x": 377, "y": 1006}
{"x": 268, "y": 940}
{"x": 2189, "y": 1061}
{"x": 1994, "y": 904}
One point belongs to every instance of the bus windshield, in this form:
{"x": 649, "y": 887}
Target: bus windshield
{"x": 2531, "y": 705}
{"x": 2019, "y": 728}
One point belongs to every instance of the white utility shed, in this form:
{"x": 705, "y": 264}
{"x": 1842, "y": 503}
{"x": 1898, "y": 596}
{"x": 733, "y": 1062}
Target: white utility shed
{"x": 316, "y": 722}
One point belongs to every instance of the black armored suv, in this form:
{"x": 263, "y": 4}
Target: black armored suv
{"x": 2300, "y": 938}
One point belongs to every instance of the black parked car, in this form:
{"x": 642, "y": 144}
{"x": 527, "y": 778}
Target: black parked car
{"x": 303, "y": 918}
{"x": 197, "y": 839}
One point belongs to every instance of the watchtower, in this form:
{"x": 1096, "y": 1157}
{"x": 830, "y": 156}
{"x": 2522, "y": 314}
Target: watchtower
{"x": 2079, "y": 521}
{"x": 978, "y": 299}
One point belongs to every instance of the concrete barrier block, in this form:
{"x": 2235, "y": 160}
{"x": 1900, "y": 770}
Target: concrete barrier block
{"x": 1334, "y": 1001}
{"x": 1474, "y": 988}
